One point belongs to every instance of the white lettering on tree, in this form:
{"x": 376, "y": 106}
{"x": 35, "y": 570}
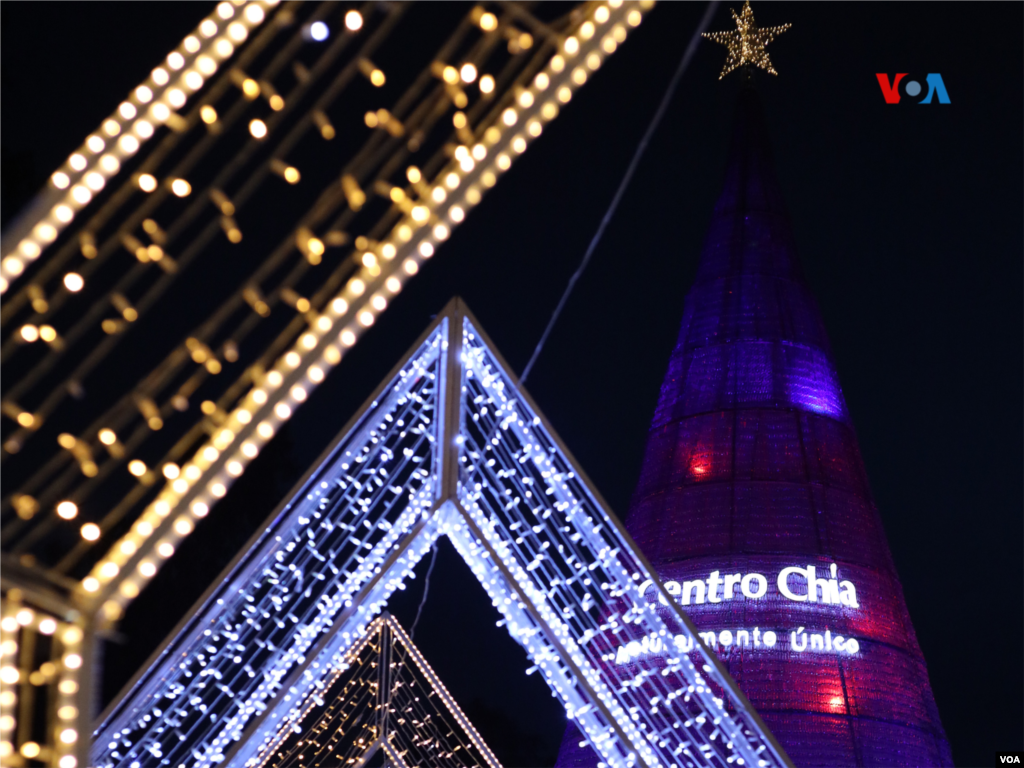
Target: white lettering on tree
{"x": 801, "y": 584}
{"x": 799, "y": 641}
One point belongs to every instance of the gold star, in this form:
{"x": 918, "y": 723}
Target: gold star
{"x": 746, "y": 44}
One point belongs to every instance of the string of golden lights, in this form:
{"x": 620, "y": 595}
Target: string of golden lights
{"x": 383, "y": 695}
{"x": 108, "y": 431}
{"x": 385, "y": 267}
{"x": 39, "y": 328}
{"x": 156, "y": 256}
{"x": 119, "y": 137}
{"x": 118, "y": 577}
{"x": 21, "y": 629}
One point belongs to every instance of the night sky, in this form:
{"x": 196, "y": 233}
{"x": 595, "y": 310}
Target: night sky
{"x": 908, "y": 221}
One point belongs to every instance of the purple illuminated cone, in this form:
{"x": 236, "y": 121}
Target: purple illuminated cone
{"x": 751, "y": 468}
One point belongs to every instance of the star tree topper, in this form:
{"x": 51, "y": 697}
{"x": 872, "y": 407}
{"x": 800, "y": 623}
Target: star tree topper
{"x": 746, "y": 44}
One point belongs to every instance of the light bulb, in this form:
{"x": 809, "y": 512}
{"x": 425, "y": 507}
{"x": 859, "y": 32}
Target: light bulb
{"x": 67, "y": 510}
{"x": 319, "y": 31}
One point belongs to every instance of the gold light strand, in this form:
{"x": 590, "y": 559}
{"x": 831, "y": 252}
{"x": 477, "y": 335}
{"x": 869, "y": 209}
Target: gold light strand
{"x": 65, "y": 662}
{"x": 747, "y": 42}
{"x": 125, "y": 568}
{"x": 120, "y": 136}
{"x": 72, "y": 723}
{"x": 10, "y": 676}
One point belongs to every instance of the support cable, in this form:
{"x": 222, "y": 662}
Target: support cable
{"x": 641, "y": 147}
{"x": 426, "y": 590}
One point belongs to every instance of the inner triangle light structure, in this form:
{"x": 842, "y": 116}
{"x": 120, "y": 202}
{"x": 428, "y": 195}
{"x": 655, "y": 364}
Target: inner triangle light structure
{"x": 384, "y": 697}
{"x": 449, "y": 444}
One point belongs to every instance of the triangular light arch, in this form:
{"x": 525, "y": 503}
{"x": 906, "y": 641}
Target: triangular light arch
{"x": 448, "y": 445}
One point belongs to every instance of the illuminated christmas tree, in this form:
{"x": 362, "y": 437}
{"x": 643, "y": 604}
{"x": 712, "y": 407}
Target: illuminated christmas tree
{"x": 754, "y": 507}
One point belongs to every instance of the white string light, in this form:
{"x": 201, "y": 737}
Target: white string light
{"x": 87, "y": 170}
{"x": 568, "y": 561}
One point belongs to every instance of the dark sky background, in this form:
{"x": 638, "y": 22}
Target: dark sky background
{"x": 908, "y": 220}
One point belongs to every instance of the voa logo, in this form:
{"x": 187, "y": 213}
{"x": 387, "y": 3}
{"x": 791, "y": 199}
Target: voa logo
{"x": 892, "y": 89}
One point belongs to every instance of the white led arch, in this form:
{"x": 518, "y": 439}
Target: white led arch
{"x": 448, "y": 445}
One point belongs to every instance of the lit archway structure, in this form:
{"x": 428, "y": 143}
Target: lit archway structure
{"x": 450, "y": 445}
